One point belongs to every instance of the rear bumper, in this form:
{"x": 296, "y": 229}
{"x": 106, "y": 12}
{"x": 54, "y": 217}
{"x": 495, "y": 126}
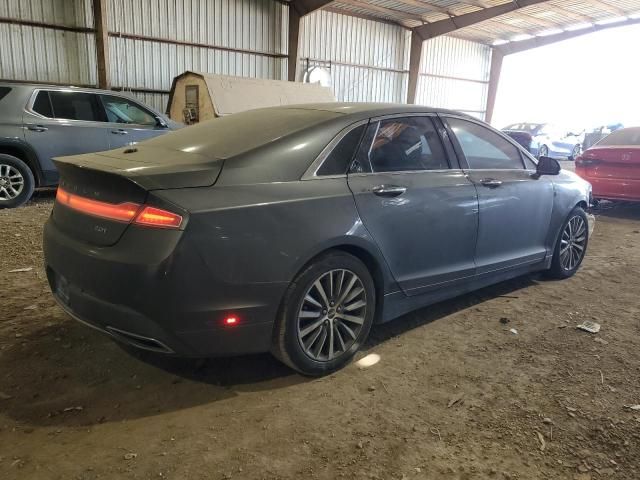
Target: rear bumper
{"x": 171, "y": 304}
{"x": 613, "y": 188}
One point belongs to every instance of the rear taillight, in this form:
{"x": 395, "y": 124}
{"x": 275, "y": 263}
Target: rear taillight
{"x": 156, "y": 217}
{"x": 127, "y": 212}
{"x": 120, "y": 212}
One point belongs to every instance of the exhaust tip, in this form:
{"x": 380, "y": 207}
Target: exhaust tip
{"x": 139, "y": 341}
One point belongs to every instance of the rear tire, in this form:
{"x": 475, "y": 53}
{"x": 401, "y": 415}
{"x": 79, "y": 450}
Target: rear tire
{"x": 571, "y": 245}
{"x": 16, "y": 182}
{"x": 326, "y": 315}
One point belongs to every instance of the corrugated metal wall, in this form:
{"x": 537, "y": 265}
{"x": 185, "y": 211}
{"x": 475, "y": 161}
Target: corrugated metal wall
{"x": 235, "y": 37}
{"x": 151, "y": 41}
{"x": 36, "y": 53}
{"x": 454, "y": 74}
{"x": 368, "y": 60}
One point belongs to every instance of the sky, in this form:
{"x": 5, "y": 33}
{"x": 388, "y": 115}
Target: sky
{"x": 580, "y": 83}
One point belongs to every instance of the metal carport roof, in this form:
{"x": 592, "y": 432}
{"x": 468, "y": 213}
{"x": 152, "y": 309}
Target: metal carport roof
{"x": 495, "y": 22}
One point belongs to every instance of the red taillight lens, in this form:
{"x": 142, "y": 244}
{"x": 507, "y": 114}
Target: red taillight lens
{"x": 120, "y": 212}
{"x": 156, "y": 217}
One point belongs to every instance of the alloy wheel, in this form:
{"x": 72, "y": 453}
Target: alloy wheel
{"x": 11, "y": 182}
{"x": 572, "y": 243}
{"x": 332, "y": 314}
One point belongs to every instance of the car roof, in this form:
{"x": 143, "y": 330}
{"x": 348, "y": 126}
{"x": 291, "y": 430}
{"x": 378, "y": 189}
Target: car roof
{"x": 54, "y": 87}
{"x": 370, "y": 109}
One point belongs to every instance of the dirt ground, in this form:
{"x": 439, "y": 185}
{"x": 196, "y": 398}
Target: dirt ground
{"x": 455, "y": 394}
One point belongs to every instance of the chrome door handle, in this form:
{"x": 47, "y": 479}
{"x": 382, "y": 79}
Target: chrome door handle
{"x": 388, "y": 190}
{"x": 119, "y": 131}
{"x": 37, "y": 128}
{"x": 490, "y": 182}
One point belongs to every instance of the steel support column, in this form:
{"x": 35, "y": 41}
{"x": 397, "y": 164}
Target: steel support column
{"x": 494, "y": 79}
{"x": 102, "y": 42}
{"x": 415, "y": 56}
{"x": 297, "y": 10}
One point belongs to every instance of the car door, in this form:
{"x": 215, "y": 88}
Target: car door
{"x": 515, "y": 204}
{"x": 420, "y": 209}
{"x": 129, "y": 122}
{"x": 64, "y": 122}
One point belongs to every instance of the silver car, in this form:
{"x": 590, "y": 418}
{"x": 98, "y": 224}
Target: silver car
{"x": 294, "y": 229}
{"x": 39, "y": 122}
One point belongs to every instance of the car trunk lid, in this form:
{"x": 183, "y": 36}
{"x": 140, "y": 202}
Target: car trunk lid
{"x": 619, "y": 162}
{"x": 119, "y": 182}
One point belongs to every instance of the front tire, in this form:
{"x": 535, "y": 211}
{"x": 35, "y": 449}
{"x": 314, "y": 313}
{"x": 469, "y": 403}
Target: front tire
{"x": 16, "y": 182}
{"x": 326, "y": 315}
{"x": 571, "y": 245}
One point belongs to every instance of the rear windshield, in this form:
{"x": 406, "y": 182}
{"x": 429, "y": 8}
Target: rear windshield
{"x": 626, "y": 136}
{"x": 232, "y": 135}
{"x": 4, "y": 91}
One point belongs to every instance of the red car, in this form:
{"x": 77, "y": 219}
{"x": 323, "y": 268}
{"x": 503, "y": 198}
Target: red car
{"x": 612, "y": 166}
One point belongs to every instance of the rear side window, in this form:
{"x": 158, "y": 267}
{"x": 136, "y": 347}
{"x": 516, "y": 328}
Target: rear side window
{"x": 42, "y": 105}
{"x": 484, "y": 149}
{"x": 342, "y": 154}
{"x": 402, "y": 144}
{"x": 76, "y": 106}
{"x": 4, "y": 91}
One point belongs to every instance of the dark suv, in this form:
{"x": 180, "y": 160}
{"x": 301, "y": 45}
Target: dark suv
{"x": 40, "y": 122}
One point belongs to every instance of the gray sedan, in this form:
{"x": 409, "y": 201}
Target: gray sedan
{"x": 294, "y": 229}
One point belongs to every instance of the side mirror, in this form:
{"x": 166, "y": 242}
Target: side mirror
{"x": 548, "y": 166}
{"x": 161, "y": 123}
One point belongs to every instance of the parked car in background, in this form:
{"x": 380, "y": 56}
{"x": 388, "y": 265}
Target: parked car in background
{"x": 294, "y": 229}
{"x": 40, "y": 122}
{"x": 546, "y": 140}
{"x": 612, "y": 166}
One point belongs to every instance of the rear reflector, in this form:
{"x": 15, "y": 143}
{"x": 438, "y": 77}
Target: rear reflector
{"x": 231, "y": 320}
{"x": 155, "y": 217}
{"x": 127, "y": 212}
{"x": 121, "y": 212}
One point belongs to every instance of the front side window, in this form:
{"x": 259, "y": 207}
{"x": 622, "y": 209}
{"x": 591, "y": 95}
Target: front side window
{"x": 483, "y": 148}
{"x": 75, "y": 106}
{"x": 401, "y": 144}
{"x": 122, "y": 110}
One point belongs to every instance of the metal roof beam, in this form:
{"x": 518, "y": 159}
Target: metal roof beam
{"x": 304, "y": 7}
{"x": 517, "y": 47}
{"x": 442, "y": 27}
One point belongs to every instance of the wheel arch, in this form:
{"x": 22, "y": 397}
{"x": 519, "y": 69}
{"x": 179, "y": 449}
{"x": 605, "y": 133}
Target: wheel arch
{"x": 367, "y": 254}
{"x": 26, "y": 154}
